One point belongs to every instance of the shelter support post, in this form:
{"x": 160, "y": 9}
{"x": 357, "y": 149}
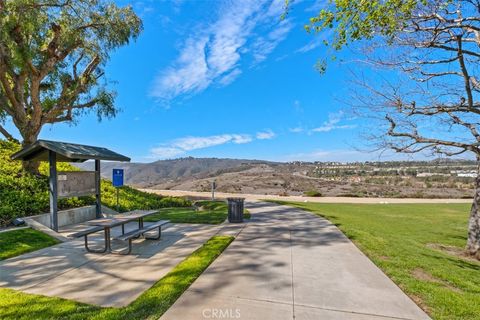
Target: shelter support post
{"x": 52, "y": 159}
{"x": 98, "y": 203}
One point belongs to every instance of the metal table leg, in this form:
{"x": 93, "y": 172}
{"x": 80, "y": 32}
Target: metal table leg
{"x": 140, "y": 226}
{"x": 107, "y": 239}
{"x": 156, "y": 237}
{"x": 126, "y": 251}
{"x": 107, "y": 244}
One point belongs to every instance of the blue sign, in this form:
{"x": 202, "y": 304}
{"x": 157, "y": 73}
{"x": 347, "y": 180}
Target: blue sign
{"x": 117, "y": 177}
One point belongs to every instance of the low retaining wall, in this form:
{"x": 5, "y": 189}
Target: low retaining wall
{"x": 71, "y": 216}
{"x": 42, "y": 223}
{"x": 66, "y": 217}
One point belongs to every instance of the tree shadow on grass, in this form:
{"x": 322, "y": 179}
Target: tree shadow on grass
{"x": 457, "y": 261}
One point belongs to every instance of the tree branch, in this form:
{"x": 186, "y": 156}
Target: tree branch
{"x": 67, "y": 95}
{"x": 466, "y": 76}
{"x": 418, "y": 139}
{"x": 7, "y": 135}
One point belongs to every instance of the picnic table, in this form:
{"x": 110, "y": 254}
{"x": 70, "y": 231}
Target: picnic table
{"x": 106, "y": 224}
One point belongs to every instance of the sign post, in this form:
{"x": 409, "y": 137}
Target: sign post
{"x": 117, "y": 181}
{"x": 214, "y": 186}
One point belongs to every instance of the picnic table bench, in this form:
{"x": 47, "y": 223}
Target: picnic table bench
{"x": 129, "y": 236}
{"x": 106, "y": 224}
{"x": 85, "y": 233}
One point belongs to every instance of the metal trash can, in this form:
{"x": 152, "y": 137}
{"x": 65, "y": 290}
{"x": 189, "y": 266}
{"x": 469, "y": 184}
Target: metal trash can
{"x": 235, "y": 209}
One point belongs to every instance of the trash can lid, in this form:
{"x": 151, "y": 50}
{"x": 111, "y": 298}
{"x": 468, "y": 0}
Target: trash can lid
{"x": 235, "y": 199}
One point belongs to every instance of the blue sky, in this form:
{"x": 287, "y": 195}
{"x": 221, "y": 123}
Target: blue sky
{"x": 223, "y": 79}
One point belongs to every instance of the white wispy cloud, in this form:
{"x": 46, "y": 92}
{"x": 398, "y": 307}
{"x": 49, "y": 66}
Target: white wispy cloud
{"x": 317, "y": 6}
{"x": 275, "y": 9}
{"x": 182, "y": 146}
{"x": 313, "y": 44}
{"x": 189, "y": 74}
{"x": 213, "y": 54}
{"x": 263, "y": 46}
{"x": 230, "y": 77}
{"x": 316, "y": 42}
{"x": 193, "y": 143}
{"x": 265, "y": 135}
{"x": 296, "y": 129}
{"x": 329, "y": 127}
{"x": 165, "y": 153}
{"x": 333, "y": 123}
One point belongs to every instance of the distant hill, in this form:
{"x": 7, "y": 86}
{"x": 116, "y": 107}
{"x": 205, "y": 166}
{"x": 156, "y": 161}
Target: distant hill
{"x": 177, "y": 170}
{"x": 420, "y": 179}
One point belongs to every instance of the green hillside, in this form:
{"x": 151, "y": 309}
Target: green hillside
{"x": 23, "y": 194}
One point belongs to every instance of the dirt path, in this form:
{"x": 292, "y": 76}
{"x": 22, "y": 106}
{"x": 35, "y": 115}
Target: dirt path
{"x": 179, "y": 193}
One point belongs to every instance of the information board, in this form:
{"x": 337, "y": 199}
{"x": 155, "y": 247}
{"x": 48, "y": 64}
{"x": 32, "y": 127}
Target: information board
{"x": 75, "y": 183}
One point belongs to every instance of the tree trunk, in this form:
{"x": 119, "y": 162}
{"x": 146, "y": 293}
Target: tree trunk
{"x": 473, "y": 241}
{"x": 30, "y": 137}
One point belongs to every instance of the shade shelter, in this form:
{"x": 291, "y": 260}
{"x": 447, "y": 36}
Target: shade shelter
{"x": 72, "y": 183}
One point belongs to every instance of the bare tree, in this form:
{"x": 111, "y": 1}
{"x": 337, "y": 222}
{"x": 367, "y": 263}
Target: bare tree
{"x": 428, "y": 97}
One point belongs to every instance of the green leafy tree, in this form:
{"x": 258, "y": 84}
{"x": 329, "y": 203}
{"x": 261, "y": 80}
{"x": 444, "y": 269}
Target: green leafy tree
{"x": 429, "y": 100}
{"x": 52, "y": 58}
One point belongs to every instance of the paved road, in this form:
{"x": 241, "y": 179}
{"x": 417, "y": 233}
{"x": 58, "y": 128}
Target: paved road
{"x": 180, "y": 193}
{"x": 289, "y": 264}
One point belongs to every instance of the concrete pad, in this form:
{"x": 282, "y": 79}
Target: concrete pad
{"x": 197, "y": 305}
{"x": 67, "y": 270}
{"x": 110, "y": 281}
{"x": 32, "y": 268}
{"x": 334, "y": 274}
{"x": 272, "y": 287}
{"x": 32, "y": 223}
{"x": 253, "y": 272}
{"x": 289, "y": 257}
{"x": 309, "y": 313}
{"x": 232, "y": 229}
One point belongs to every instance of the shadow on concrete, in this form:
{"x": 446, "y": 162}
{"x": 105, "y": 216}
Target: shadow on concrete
{"x": 288, "y": 259}
{"x": 67, "y": 270}
{"x": 275, "y": 232}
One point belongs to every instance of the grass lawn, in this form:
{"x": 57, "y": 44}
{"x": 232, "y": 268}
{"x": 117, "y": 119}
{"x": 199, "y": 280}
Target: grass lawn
{"x": 419, "y": 246}
{"x": 17, "y": 242}
{"x": 150, "y": 305}
{"x": 212, "y": 212}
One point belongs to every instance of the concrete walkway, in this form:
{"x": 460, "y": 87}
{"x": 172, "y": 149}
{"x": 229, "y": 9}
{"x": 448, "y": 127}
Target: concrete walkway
{"x": 290, "y": 264}
{"x": 68, "y": 271}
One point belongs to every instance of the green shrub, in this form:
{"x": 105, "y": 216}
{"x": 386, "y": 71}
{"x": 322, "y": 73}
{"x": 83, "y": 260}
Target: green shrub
{"x": 23, "y": 194}
{"x": 312, "y": 193}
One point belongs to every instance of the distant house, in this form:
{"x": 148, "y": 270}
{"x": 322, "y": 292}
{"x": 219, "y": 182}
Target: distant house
{"x": 432, "y": 174}
{"x": 465, "y": 173}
